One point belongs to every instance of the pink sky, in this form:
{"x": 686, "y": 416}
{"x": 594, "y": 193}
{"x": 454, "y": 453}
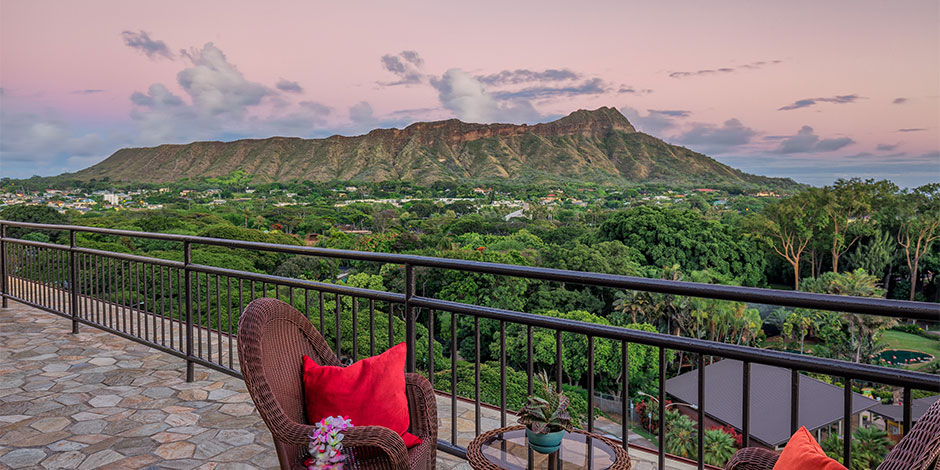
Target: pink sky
{"x": 775, "y": 55}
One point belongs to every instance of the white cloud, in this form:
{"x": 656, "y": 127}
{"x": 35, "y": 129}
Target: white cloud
{"x": 465, "y": 96}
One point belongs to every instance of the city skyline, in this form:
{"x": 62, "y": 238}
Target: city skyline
{"x": 810, "y": 91}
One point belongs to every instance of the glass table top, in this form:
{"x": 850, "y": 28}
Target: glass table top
{"x": 509, "y": 450}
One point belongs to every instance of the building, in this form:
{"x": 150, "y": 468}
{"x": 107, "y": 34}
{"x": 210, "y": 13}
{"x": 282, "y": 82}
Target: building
{"x": 820, "y": 407}
{"x": 112, "y": 199}
{"x": 893, "y": 415}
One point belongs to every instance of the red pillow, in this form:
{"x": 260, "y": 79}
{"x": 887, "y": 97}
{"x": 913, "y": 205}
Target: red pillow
{"x": 804, "y": 453}
{"x": 370, "y": 392}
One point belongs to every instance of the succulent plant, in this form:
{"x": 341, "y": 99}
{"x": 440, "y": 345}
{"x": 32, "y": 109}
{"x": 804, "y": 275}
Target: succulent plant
{"x": 547, "y": 410}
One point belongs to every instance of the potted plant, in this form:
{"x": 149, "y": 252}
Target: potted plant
{"x": 545, "y": 416}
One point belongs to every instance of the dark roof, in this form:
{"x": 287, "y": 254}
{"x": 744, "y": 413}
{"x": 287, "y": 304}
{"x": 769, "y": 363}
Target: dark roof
{"x": 820, "y": 403}
{"x": 896, "y": 412}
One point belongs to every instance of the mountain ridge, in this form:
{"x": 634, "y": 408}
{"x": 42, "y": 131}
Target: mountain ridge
{"x": 594, "y": 145}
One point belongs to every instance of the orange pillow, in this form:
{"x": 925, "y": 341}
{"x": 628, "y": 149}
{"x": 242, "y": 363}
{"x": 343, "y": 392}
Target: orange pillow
{"x": 803, "y": 453}
{"x": 370, "y": 392}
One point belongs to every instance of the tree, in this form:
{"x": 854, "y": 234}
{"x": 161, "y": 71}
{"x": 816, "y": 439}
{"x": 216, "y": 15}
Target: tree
{"x": 34, "y": 214}
{"x": 789, "y": 225}
{"x": 667, "y": 236}
{"x": 874, "y": 256}
{"x": 864, "y": 328}
{"x": 919, "y": 218}
{"x": 847, "y": 207}
{"x": 869, "y": 447}
{"x": 798, "y": 324}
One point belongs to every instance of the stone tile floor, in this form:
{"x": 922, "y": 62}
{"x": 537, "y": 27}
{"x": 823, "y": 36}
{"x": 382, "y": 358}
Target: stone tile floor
{"x": 95, "y": 400}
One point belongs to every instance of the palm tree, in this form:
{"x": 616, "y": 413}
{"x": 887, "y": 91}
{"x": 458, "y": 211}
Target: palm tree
{"x": 680, "y": 432}
{"x": 869, "y": 447}
{"x": 873, "y": 445}
{"x": 719, "y": 447}
{"x": 861, "y": 284}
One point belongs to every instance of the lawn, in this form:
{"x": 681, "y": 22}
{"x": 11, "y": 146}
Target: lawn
{"x": 900, "y": 340}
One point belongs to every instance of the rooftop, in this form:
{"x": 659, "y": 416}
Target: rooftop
{"x": 896, "y": 412}
{"x": 821, "y": 403}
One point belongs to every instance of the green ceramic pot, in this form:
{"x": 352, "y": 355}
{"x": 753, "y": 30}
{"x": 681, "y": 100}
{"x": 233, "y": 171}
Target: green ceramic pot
{"x": 544, "y": 443}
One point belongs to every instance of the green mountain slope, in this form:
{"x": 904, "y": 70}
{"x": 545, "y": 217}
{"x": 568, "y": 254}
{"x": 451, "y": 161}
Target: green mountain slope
{"x": 599, "y": 145}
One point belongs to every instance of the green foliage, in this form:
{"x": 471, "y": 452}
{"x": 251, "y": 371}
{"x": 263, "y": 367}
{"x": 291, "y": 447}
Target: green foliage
{"x": 546, "y": 410}
{"x": 681, "y": 434}
{"x": 643, "y": 360}
{"x": 666, "y": 237}
{"x": 719, "y": 447}
{"x": 363, "y": 328}
{"x": 869, "y": 447}
{"x": 876, "y": 255}
{"x": 34, "y": 214}
{"x": 863, "y": 329}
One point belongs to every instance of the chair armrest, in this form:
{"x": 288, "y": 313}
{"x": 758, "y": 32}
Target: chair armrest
{"x": 422, "y": 407}
{"x": 753, "y": 458}
{"x": 365, "y": 442}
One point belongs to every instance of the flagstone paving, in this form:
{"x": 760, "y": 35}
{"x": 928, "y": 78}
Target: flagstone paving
{"x": 95, "y": 400}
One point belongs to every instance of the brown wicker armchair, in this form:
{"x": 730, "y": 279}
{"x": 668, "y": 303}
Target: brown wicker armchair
{"x": 273, "y": 337}
{"x": 918, "y": 450}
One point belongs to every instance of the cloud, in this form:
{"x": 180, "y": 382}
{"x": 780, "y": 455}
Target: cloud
{"x": 805, "y": 103}
{"x": 464, "y": 95}
{"x": 406, "y": 65}
{"x": 142, "y": 42}
{"x": 933, "y": 156}
{"x": 361, "y": 113}
{"x": 912, "y": 129}
{"x": 289, "y": 86}
{"x": 215, "y": 86}
{"x": 39, "y": 144}
{"x": 515, "y": 77}
{"x": 886, "y": 147}
{"x": 806, "y": 141}
{"x": 903, "y": 169}
{"x": 724, "y": 70}
{"x": 91, "y": 91}
{"x": 829, "y": 145}
{"x": 899, "y": 101}
{"x": 304, "y": 119}
{"x": 709, "y": 138}
{"x": 670, "y": 112}
{"x": 656, "y": 120}
{"x": 594, "y": 86}
{"x": 219, "y": 101}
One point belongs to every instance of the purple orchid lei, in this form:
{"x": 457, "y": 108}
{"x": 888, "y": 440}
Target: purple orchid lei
{"x": 326, "y": 444}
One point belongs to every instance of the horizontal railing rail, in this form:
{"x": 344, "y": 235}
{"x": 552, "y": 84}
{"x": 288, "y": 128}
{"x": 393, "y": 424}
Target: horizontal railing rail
{"x": 841, "y": 303}
{"x": 190, "y": 310}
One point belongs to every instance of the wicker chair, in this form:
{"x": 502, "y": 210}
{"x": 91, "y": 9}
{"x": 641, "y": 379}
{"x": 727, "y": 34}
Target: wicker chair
{"x": 273, "y": 337}
{"x": 918, "y": 450}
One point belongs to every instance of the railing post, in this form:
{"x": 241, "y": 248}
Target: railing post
{"x": 3, "y": 265}
{"x": 187, "y": 260}
{"x": 73, "y": 283}
{"x": 410, "y": 317}
{"x": 794, "y": 400}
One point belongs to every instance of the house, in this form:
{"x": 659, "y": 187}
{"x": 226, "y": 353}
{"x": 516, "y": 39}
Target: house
{"x": 893, "y": 415}
{"x": 820, "y": 403}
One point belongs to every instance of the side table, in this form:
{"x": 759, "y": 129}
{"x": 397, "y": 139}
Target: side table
{"x": 507, "y": 449}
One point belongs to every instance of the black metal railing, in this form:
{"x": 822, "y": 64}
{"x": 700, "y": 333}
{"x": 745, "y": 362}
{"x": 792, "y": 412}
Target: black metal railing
{"x": 190, "y": 310}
